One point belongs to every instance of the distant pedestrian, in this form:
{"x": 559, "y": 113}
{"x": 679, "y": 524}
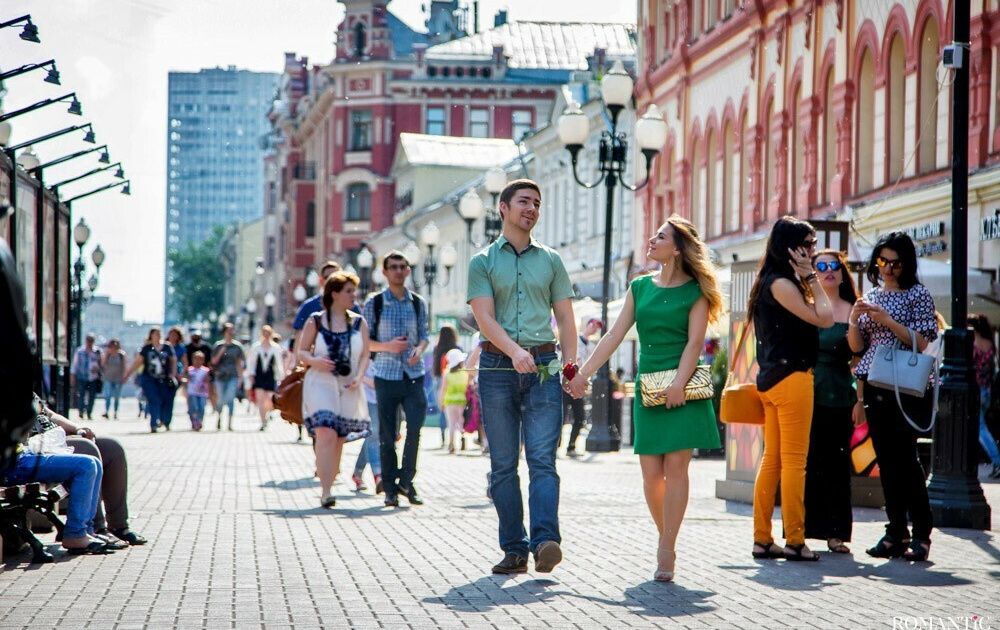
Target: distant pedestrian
{"x": 369, "y": 454}
{"x": 786, "y": 323}
{"x": 984, "y": 359}
{"x": 158, "y": 379}
{"x": 265, "y": 369}
{"x": 588, "y": 328}
{"x": 85, "y": 376}
{"x": 113, "y": 366}
{"x": 828, "y": 466}
{"x": 227, "y": 366}
{"x": 896, "y": 306}
{"x": 175, "y": 337}
{"x": 196, "y": 344}
{"x": 399, "y": 336}
{"x": 454, "y": 387}
{"x": 515, "y": 286}
{"x": 313, "y": 304}
{"x": 335, "y": 347}
{"x": 447, "y": 341}
{"x": 197, "y": 385}
{"x": 671, "y": 310}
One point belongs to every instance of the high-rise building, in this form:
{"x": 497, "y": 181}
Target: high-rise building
{"x": 215, "y": 176}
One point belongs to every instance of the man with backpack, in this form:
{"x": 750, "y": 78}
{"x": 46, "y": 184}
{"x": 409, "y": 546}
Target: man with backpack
{"x": 399, "y": 336}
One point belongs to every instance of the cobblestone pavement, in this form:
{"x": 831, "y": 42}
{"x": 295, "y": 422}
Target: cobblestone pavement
{"x": 238, "y": 541}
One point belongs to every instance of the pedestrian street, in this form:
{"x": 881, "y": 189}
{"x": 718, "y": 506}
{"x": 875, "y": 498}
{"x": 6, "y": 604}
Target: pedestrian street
{"x": 238, "y": 540}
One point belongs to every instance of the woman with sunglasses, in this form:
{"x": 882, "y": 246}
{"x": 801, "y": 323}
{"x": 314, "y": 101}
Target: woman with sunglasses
{"x": 828, "y": 467}
{"x": 787, "y": 308}
{"x": 887, "y": 314}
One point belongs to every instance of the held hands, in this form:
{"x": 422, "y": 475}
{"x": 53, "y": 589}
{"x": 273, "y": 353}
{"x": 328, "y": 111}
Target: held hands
{"x": 800, "y": 261}
{"x": 858, "y": 414}
{"x": 577, "y": 387}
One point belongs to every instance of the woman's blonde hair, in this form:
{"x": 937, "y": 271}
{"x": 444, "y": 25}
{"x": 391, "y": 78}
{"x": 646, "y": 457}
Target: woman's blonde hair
{"x": 695, "y": 262}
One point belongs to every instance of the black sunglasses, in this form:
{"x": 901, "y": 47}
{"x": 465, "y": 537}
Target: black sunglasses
{"x": 895, "y": 265}
{"x": 822, "y": 266}
{"x": 809, "y": 243}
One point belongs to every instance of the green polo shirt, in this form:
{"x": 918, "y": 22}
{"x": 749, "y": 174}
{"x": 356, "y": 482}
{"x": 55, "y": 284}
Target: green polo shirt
{"x": 523, "y": 287}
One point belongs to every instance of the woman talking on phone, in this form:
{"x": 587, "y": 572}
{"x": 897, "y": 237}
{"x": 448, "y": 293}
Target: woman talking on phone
{"x": 887, "y": 314}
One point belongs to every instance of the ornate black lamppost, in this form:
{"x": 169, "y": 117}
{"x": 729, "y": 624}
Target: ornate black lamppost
{"x": 651, "y": 134}
{"x": 430, "y": 237}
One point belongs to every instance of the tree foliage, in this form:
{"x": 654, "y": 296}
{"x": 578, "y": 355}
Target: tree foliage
{"x": 198, "y": 277}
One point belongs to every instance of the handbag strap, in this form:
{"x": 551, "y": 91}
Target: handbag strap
{"x": 937, "y": 387}
{"x": 739, "y": 350}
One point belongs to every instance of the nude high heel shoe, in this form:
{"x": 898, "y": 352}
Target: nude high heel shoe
{"x": 665, "y": 559}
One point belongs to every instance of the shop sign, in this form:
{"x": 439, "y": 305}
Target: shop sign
{"x": 989, "y": 228}
{"x": 925, "y": 231}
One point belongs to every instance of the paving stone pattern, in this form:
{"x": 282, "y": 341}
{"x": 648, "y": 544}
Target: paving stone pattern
{"x": 238, "y": 541}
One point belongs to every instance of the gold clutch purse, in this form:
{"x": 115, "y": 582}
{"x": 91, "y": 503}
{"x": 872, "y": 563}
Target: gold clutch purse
{"x": 699, "y": 387}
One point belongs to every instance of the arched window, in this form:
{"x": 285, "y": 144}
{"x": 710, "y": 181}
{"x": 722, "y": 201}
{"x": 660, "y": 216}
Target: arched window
{"x": 360, "y": 40}
{"x": 310, "y": 219}
{"x": 798, "y": 152}
{"x": 730, "y": 200}
{"x": 865, "y": 137}
{"x": 358, "y": 202}
{"x": 713, "y": 218}
{"x": 770, "y": 152}
{"x": 928, "y": 109}
{"x": 829, "y": 139}
{"x": 896, "y": 110}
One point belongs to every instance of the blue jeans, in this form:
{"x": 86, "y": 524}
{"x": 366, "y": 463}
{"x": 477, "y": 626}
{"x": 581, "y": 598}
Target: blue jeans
{"x": 159, "y": 400}
{"x": 112, "y": 391}
{"x": 226, "y": 389}
{"x": 86, "y": 394}
{"x": 196, "y": 408}
{"x": 80, "y": 474}
{"x": 369, "y": 455}
{"x": 517, "y": 407}
{"x": 985, "y": 437}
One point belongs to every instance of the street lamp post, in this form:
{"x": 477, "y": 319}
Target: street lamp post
{"x": 956, "y": 497}
{"x": 470, "y": 208}
{"x": 269, "y": 301}
{"x": 651, "y": 134}
{"x": 251, "y": 309}
{"x": 495, "y": 181}
{"x": 366, "y": 260}
{"x": 430, "y": 237}
{"x": 83, "y": 290}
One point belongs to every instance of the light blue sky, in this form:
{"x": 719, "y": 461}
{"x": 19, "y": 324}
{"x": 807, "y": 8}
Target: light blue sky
{"x": 116, "y": 54}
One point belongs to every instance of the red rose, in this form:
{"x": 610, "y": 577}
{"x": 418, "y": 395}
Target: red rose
{"x": 569, "y": 371}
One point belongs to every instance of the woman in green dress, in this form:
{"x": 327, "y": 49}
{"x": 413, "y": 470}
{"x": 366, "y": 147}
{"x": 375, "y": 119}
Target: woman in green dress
{"x": 828, "y": 464}
{"x": 671, "y": 310}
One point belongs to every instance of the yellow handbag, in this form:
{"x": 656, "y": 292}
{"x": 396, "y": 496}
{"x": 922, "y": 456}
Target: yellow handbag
{"x": 740, "y": 401}
{"x": 699, "y": 386}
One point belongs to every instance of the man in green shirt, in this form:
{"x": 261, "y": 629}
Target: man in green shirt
{"x": 515, "y": 285}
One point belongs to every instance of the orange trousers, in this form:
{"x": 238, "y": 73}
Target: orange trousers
{"x": 788, "y": 411}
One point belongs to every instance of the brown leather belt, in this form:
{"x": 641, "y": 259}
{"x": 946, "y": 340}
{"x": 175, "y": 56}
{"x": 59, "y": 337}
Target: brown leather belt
{"x": 536, "y": 351}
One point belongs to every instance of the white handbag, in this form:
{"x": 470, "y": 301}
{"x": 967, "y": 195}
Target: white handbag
{"x": 907, "y": 372}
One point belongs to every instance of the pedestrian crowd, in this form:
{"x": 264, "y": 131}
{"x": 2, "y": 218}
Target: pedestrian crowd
{"x": 821, "y": 349}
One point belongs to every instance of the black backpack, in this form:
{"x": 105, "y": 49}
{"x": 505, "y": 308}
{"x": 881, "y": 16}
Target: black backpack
{"x": 378, "y": 303}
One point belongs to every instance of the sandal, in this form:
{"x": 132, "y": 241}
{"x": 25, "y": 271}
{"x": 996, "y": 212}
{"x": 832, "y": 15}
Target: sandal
{"x": 918, "y": 551}
{"x": 328, "y": 501}
{"x": 888, "y": 547}
{"x": 110, "y": 540}
{"x": 665, "y": 557}
{"x": 767, "y": 551}
{"x": 93, "y": 549}
{"x": 797, "y": 553}
{"x": 130, "y": 537}
{"x": 837, "y": 545}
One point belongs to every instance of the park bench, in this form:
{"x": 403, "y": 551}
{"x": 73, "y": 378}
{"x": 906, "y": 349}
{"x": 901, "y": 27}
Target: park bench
{"x": 15, "y": 501}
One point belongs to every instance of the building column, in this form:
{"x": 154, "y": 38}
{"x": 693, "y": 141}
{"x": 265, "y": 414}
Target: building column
{"x": 753, "y": 213}
{"x": 682, "y": 176}
{"x": 980, "y": 70}
{"x": 808, "y": 117}
{"x": 778, "y": 204}
{"x": 843, "y": 108}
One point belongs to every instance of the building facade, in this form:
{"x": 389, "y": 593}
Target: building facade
{"x": 820, "y": 109}
{"x": 215, "y": 172}
{"x": 337, "y": 125}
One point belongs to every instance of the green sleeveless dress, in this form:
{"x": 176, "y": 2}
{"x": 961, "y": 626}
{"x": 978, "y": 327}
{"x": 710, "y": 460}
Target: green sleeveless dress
{"x": 661, "y": 318}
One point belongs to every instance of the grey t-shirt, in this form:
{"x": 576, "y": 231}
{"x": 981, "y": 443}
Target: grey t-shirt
{"x": 232, "y": 353}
